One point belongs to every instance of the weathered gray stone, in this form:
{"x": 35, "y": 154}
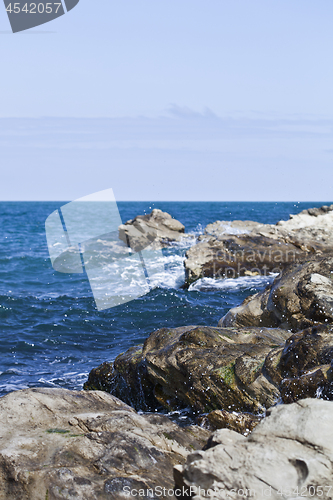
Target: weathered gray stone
{"x": 60, "y": 444}
{"x": 157, "y": 228}
{"x": 289, "y": 455}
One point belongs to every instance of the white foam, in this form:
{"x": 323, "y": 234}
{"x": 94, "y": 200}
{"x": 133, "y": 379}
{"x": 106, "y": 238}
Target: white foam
{"x": 200, "y": 229}
{"x": 185, "y": 242}
{"x": 6, "y": 388}
{"x": 228, "y": 229}
{"x": 232, "y": 284}
{"x": 165, "y": 270}
{"x": 173, "y": 275}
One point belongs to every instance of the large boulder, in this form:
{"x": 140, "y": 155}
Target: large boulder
{"x": 289, "y": 455}
{"x": 240, "y": 248}
{"x": 301, "y": 297}
{"x": 60, "y": 444}
{"x": 204, "y": 368}
{"x": 157, "y": 228}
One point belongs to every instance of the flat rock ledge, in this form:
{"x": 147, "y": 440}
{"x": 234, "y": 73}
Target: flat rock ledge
{"x": 289, "y": 455}
{"x": 247, "y": 248}
{"x": 61, "y": 444}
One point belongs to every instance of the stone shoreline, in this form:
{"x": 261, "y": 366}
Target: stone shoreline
{"x": 251, "y": 360}
{"x": 276, "y": 347}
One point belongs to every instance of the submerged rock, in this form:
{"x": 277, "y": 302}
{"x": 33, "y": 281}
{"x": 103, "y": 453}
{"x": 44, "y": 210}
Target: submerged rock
{"x": 288, "y": 455}
{"x": 241, "y": 248}
{"x": 204, "y": 368}
{"x": 157, "y": 227}
{"x": 57, "y": 444}
{"x": 301, "y": 297}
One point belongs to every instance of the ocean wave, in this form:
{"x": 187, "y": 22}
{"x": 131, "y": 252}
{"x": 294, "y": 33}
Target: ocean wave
{"x": 164, "y": 270}
{"x": 173, "y": 275}
{"x": 10, "y": 387}
{"x": 73, "y": 380}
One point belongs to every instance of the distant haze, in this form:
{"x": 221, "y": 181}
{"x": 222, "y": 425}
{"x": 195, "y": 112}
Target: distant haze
{"x": 176, "y": 100}
{"x": 167, "y": 158}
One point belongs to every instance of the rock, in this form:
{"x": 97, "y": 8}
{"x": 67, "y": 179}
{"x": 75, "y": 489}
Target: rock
{"x": 157, "y": 227}
{"x": 241, "y": 248}
{"x": 241, "y": 255}
{"x": 302, "y": 369}
{"x": 58, "y": 444}
{"x": 204, "y": 368}
{"x": 288, "y": 455}
{"x": 308, "y": 385}
{"x": 243, "y": 423}
{"x": 128, "y": 370}
{"x": 222, "y": 371}
{"x": 301, "y": 297}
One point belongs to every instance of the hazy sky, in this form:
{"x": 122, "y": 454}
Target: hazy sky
{"x": 173, "y": 100}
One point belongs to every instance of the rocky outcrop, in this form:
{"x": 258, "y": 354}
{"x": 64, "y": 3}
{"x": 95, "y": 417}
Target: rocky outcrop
{"x": 60, "y": 444}
{"x": 222, "y": 373}
{"x": 301, "y": 297}
{"x": 205, "y": 368}
{"x": 288, "y": 455}
{"x": 240, "y": 248}
{"x": 157, "y": 227}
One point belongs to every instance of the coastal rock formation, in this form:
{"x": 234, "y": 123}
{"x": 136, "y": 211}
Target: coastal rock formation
{"x": 205, "y": 368}
{"x": 158, "y": 227}
{"x": 60, "y": 444}
{"x": 301, "y": 297}
{"x": 288, "y": 455}
{"x": 221, "y": 372}
{"x": 240, "y": 248}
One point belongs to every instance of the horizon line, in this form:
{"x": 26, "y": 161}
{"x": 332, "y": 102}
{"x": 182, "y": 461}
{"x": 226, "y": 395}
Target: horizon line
{"x": 177, "y": 201}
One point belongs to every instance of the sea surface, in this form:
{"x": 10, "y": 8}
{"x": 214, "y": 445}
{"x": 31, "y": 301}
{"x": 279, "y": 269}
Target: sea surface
{"x": 51, "y": 333}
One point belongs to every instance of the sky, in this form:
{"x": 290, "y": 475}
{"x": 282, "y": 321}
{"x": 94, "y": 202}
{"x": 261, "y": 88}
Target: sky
{"x": 170, "y": 100}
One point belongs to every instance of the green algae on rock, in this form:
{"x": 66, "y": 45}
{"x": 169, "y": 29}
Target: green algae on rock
{"x": 204, "y": 368}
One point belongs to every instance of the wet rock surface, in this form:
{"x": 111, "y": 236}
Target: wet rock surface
{"x": 157, "y": 228}
{"x": 288, "y": 455}
{"x": 221, "y": 371}
{"x": 302, "y": 369}
{"x": 60, "y": 444}
{"x": 241, "y": 248}
{"x": 301, "y": 297}
{"x": 203, "y": 368}
{"x": 243, "y": 423}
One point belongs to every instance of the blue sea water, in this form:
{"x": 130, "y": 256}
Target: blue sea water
{"x": 51, "y": 333}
